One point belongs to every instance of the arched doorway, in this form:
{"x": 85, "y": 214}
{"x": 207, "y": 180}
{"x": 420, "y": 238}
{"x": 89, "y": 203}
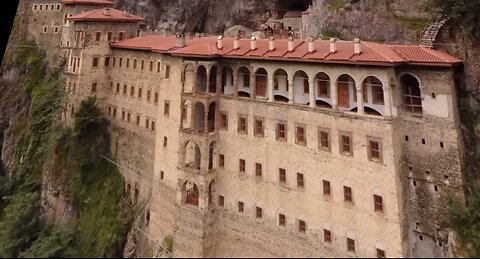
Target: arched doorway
{"x": 211, "y": 116}
{"x": 301, "y": 87}
{"x": 192, "y": 155}
{"x": 412, "y": 96}
{"x": 212, "y": 84}
{"x": 261, "y": 78}
{"x": 227, "y": 80}
{"x": 201, "y": 86}
{"x": 190, "y": 193}
{"x": 345, "y": 88}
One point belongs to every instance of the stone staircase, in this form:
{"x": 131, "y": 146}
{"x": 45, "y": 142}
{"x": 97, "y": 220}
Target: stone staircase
{"x": 430, "y": 32}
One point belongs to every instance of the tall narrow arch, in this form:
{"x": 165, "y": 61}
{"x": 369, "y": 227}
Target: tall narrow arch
{"x": 192, "y": 155}
{"x": 211, "y": 154}
{"x": 199, "y": 117}
{"x": 212, "y": 116}
{"x": 244, "y": 77}
{"x": 227, "y": 80}
{"x": 201, "y": 85}
{"x": 212, "y": 82}
{"x": 345, "y": 89}
{"x": 261, "y": 79}
{"x": 412, "y": 96}
{"x": 190, "y": 193}
{"x": 301, "y": 87}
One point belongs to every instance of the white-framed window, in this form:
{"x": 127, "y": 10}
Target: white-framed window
{"x": 59, "y": 6}
{"x": 40, "y": 7}
{"x": 45, "y": 28}
{"x": 35, "y": 7}
{"x": 55, "y": 29}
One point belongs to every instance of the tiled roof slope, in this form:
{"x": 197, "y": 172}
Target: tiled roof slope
{"x": 87, "y": 2}
{"x": 106, "y": 15}
{"x": 372, "y": 53}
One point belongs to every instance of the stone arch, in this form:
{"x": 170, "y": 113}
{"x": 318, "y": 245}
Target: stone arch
{"x": 373, "y": 98}
{"x": 322, "y": 89}
{"x": 212, "y": 116}
{"x": 190, "y": 193}
{"x": 301, "y": 87}
{"x": 192, "y": 155}
{"x": 199, "y": 117}
{"x": 201, "y": 85}
{"x": 212, "y": 81}
{"x": 261, "y": 82}
{"x": 186, "y": 114}
{"x": 411, "y": 92}
{"x": 243, "y": 81}
{"x": 280, "y": 85}
{"x": 227, "y": 80}
{"x": 346, "y": 91}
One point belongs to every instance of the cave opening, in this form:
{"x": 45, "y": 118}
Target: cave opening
{"x": 294, "y": 5}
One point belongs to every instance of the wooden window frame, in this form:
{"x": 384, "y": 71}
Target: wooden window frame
{"x": 258, "y": 212}
{"x": 259, "y": 131}
{"x": 240, "y": 125}
{"x": 378, "y": 205}
{"x": 347, "y": 194}
{"x": 95, "y": 61}
{"x": 278, "y": 131}
{"x": 241, "y": 207}
{"x": 94, "y": 87}
{"x": 350, "y": 245}
{"x": 221, "y": 201}
{"x": 327, "y": 236}
{"x": 371, "y": 152}
{"x": 322, "y": 144}
{"x": 242, "y": 165}
{"x": 282, "y": 220}
{"x": 300, "y": 180}
{"x": 302, "y": 226}
{"x": 98, "y": 36}
{"x": 346, "y": 135}
{"x": 381, "y": 253}
{"x": 166, "y": 108}
{"x": 327, "y": 188}
{"x": 258, "y": 170}
{"x": 282, "y": 176}
{"x": 223, "y": 120}
{"x": 167, "y": 72}
{"x": 221, "y": 160}
{"x": 301, "y": 139}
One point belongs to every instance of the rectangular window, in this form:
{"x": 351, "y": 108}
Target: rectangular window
{"x": 95, "y": 62}
{"x": 300, "y": 138}
{"x": 152, "y": 125}
{"x": 240, "y": 207}
{"x": 155, "y": 100}
{"x": 120, "y": 62}
{"x": 300, "y": 180}
{"x": 147, "y": 123}
{"x": 302, "y": 226}
{"x": 282, "y": 220}
{"x": 114, "y": 61}
{"x": 374, "y": 150}
{"x": 282, "y": 175}
{"x": 346, "y": 144}
{"x": 109, "y": 36}
{"x": 128, "y": 116}
{"x": 324, "y": 139}
{"x": 246, "y": 80}
{"x": 109, "y": 111}
{"x": 347, "y": 194}
{"x": 326, "y": 188}
{"x": 281, "y": 131}
{"x": 258, "y": 212}
{"x": 134, "y": 63}
{"x": 139, "y": 92}
{"x": 167, "y": 72}
{"x": 162, "y": 175}
{"x": 258, "y": 169}
{"x": 166, "y": 108}
{"x": 259, "y": 129}
{"x": 151, "y": 66}
{"x": 148, "y": 95}
{"x": 125, "y": 89}
{"x": 241, "y": 165}
{"x": 94, "y": 87}
{"x": 98, "y": 35}
{"x": 306, "y": 87}
{"x": 158, "y": 67}
{"x": 138, "y": 120}
{"x": 123, "y": 115}
{"x": 114, "y": 112}
{"x": 165, "y": 141}
{"x": 377, "y": 95}
{"x": 242, "y": 125}
{"x": 132, "y": 91}
{"x": 224, "y": 121}
{"x": 378, "y": 201}
{"x": 128, "y": 63}
{"x": 142, "y": 66}
{"x": 221, "y": 201}
{"x": 327, "y": 236}
{"x": 350, "y": 245}
{"x": 323, "y": 88}
{"x": 380, "y": 253}
{"x": 118, "y": 88}
{"x": 121, "y": 35}
{"x": 221, "y": 160}
{"x": 107, "y": 61}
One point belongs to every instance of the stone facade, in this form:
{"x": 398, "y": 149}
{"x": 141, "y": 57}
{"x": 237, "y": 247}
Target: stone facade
{"x": 239, "y": 157}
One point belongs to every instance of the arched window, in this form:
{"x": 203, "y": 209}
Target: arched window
{"x": 199, "y": 117}
{"x": 412, "y": 97}
{"x": 261, "y": 82}
{"x": 201, "y": 86}
{"x": 227, "y": 78}
{"x": 244, "y": 77}
{"x": 211, "y": 117}
{"x": 212, "y": 84}
{"x": 192, "y": 155}
{"x": 191, "y": 193}
{"x": 280, "y": 80}
{"x": 374, "y": 86}
{"x": 322, "y": 82}
{"x": 345, "y": 85}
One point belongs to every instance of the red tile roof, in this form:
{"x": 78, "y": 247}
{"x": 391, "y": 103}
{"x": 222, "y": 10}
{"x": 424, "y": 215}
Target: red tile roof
{"x": 87, "y": 2}
{"x": 100, "y": 15}
{"x": 372, "y": 53}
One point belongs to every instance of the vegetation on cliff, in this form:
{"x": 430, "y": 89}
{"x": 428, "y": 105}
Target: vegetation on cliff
{"x": 95, "y": 187}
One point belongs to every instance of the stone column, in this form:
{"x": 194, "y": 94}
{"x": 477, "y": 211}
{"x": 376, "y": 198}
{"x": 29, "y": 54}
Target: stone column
{"x": 208, "y": 81}
{"x": 270, "y": 87}
{"x": 311, "y": 90}
{"x": 387, "y": 101}
{"x": 195, "y": 81}
{"x": 291, "y": 93}
{"x": 360, "y": 109}
{"x": 205, "y": 126}
{"x": 334, "y": 95}
{"x": 219, "y": 80}
{"x": 253, "y": 86}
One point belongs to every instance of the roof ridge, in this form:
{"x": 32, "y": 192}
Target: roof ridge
{"x": 366, "y": 43}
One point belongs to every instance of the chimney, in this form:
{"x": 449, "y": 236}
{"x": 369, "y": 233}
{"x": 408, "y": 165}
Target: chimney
{"x": 333, "y": 45}
{"x": 290, "y": 44}
{"x": 236, "y": 43}
{"x": 271, "y": 44}
{"x": 253, "y": 43}
{"x": 311, "y": 45}
{"x": 357, "y": 48}
{"x": 125, "y": 13}
{"x": 106, "y": 12}
{"x": 180, "y": 41}
{"x": 220, "y": 42}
